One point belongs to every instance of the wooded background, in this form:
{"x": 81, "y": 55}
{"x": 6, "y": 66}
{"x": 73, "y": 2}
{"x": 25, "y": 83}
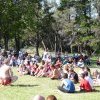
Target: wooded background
{"x": 72, "y": 25}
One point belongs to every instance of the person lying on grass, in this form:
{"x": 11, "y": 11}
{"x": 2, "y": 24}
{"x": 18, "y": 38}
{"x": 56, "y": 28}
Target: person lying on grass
{"x": 6, "y": 74}
{"x": 67, "y": 85}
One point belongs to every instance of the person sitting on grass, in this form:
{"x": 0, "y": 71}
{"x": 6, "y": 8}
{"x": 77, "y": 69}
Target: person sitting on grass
{"x": 89, "y": 79}
{"x": 43, "y": 69}
{"x": 22, "y": 69}
{"x": 80, "y": 63}
{"x": 87, "y": 69}
{"x": 66, "y": 69}
{"x": 84, "y": 84}
{"x": 98, "y": 62}
{"x": 72, "y": 75}
{"x": 6, "y": 74}
{"x": 58, "y": 63}
{"x": 34, "y": 69}
{"x": 67, "y": 85}
{"x": 96, "y": 76}
{"x": 55, "y": 73}
{"x": 51, "y": 97}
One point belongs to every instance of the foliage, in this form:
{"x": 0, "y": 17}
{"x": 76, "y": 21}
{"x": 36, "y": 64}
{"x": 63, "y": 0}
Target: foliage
{"x": 40, "y": 23}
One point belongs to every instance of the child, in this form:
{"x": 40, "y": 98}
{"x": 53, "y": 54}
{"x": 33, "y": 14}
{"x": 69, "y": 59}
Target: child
{"x": 96, "y": 76}
{"x": 80, "y": 63}
{"x": 73, "y": 75}
{"x": 67, "y": 85}
{"x": 55, "y": 73}
{"x": 6, "y": 74}
{"x": 84, "y": 84}
{"x": 89, "y": 79}
{"x": 98, "y": 62}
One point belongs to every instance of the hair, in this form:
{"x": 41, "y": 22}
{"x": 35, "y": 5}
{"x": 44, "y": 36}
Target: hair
{"x": 71, "y": 69}
{"x": 38, "y": 97}
{"x": 51, "y": 97}
{"x": 43, "y": 62}
{"x": 65, "y": 75}
{"x": 6, "y": 61}
{"x": 88, "y": 69}
{"x": 53, "y": 66}
{"x": 86, "y": 73}
{"x": 83, "y": 75}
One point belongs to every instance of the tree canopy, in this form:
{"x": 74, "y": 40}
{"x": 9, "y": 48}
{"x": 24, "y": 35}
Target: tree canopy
{"x": 72, "y": 26}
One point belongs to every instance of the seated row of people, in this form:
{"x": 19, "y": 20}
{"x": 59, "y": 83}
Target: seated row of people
{"x": 54, "y": 71}
{"x": 68, "y": 86}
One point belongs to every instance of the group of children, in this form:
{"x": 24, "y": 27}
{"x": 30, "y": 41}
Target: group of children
{"x": 59, "y": 69}
{"x": 63, "y": 70}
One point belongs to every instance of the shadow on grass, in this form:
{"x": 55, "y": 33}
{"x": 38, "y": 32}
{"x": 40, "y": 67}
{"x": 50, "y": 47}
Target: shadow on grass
{"x": 95, "y": 91}
{"x": 81, "y": 92}
{"x": 22, "y": 85}
{"x": 97, "y": 86}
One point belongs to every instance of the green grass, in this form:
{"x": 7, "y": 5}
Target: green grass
{"x": 27, "y": 86}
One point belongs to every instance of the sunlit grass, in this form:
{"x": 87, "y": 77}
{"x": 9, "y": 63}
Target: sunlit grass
{"x": 28, "y": 86}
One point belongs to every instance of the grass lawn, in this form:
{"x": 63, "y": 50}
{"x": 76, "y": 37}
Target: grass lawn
{"x": 28, "y": 86}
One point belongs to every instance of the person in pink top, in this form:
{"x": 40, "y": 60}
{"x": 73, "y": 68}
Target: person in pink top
{"x": 55, "y": 73}
{"x": 58, "y": 63}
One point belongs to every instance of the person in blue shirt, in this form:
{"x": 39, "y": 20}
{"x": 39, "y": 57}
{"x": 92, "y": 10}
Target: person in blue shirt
{"x": 67, "y": 85}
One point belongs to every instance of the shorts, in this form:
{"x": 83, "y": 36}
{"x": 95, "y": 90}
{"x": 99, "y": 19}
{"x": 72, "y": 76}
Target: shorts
{"x": 6, "y": 81}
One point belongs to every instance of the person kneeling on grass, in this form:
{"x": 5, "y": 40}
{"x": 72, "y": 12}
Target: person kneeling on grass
{"x": 67, "y": 85}
{"x": 6, "y": 74}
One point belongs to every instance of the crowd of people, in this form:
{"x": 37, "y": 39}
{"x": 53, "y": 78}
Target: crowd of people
{"x": 55, "y": 68}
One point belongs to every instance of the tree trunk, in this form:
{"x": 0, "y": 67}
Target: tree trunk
{"x": 78, "y": 48}
{"x": 6, "y": 42}
{"x": 71, "y": 47}
{"x": 17, "y": 42}
{"x": 37, "y": 44}
{"x": 44, "y": 46}
{"x": 55, "y": 44}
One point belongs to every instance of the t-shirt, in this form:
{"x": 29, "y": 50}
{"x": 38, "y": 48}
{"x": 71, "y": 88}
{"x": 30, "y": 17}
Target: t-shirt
{"x": 68, "y": 85}
{"x": 89, "y": 79}
{"x": 84, "y": 85}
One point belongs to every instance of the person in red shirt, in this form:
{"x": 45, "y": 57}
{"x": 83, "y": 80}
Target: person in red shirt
{"x": 84, "y": 84}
